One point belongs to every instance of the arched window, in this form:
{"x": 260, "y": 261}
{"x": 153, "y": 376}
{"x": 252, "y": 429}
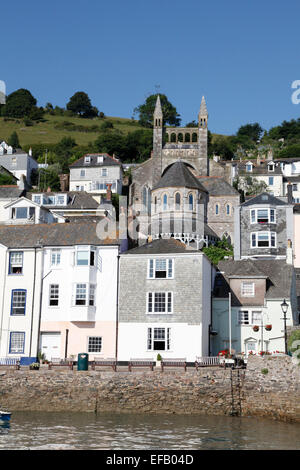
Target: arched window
{"x": 145, "y": 194}
{"x": 177, "y": 202}
{"x": 165, "y": 202}
{"x": 155, "y": 204}
{"x": 228, "y": 209}
{"x": 217, "y": 209}
{"x": 191, "y": 202}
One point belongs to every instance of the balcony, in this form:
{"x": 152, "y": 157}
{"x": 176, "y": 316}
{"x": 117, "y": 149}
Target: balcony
{"x": 82, "y": 313}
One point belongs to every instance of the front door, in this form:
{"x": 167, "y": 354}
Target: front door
{"x": 250, "y": 347}
{"x": 50, "y": 345}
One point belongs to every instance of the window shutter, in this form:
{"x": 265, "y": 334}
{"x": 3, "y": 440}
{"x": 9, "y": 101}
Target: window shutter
{"x": 170, "y": 268}
{"x": 168, "y": 338}
{"x": 149, "y": 339}
{"x": 99, "y": 263}
{"x": 151, "y": 270}
{"x": 150, "y": 302}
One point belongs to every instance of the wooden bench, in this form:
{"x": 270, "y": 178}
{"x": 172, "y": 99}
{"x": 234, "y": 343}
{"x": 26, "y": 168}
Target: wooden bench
{"x": 207, "y": 361}
{"x": 176, "y": 362}
{"x": 58, "y": 362}
{"x": 104, "y": 362}
{"x": 10, "y": 362}
{"x": 140, "y": 363}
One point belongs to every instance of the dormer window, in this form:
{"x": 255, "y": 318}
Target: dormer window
{"x": 100, "y": 159}
{"x": 271, "y": 167}
{"x": 249, "y": 167}
{"x": 87, "y": 159}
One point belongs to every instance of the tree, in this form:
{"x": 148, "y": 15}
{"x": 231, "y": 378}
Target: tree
{"x": 220, "y": 146}
{"x": 218, "y": 251}
{"x": 253, "y": 131}
{"x": 80, "y": 104}
{"x": 146, "y": 110}
{"x": 19, "y": 104}
{"x": 13, "y": 140}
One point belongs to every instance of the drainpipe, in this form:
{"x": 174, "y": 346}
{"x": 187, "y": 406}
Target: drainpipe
{"x": 117, "y": 303}
{"x": 66, "y": 344}
{"x": 33, "y": 298}
{"x": 4, "y": 285}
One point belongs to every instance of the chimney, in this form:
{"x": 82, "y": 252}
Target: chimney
{"x": 289, "y": 252}
{"x": 290, "y": 193}
{"x": 64, "y": 182}
{"x": 48, "y": 189}
{"x": 108, "y": 193}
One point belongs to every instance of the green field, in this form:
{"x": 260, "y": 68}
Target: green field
{"x": 46, "y": 132}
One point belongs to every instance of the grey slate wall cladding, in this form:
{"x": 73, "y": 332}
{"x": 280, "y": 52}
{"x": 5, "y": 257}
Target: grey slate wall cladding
{"x": 279, "y": 228}
{"x": 186, "y": 287}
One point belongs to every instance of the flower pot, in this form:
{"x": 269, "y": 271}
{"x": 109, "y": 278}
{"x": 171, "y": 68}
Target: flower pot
{"x": 268, "y": 327}
{"x": 256, "y": 328}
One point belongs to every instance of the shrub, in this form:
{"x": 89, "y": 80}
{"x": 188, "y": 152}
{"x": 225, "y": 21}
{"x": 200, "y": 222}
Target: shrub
{"x": 265, "y": 371}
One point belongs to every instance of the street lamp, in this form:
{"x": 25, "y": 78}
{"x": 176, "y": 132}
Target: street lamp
{"x": 284, "y": 308}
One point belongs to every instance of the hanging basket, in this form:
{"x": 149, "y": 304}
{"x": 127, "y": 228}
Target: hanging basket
{"x": 256, "y": 328}
{"x": 268, "y": 327}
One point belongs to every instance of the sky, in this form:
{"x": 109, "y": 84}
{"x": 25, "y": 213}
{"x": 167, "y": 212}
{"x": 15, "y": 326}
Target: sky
{"x": 243, "y": 56}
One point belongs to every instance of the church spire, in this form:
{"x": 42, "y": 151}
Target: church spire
{"x": 158, "y": 115}
{"x": 203, "y": 114}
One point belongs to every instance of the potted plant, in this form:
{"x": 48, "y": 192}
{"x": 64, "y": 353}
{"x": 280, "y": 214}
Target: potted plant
{"x": 158, "y": 360}
{"x": 256, "y": 328}
{"x": 268, "y": 327}
{"x": 34, "y": 366}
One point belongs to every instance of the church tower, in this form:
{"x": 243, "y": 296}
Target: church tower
{"x": 202, "y": 139}
{"x": 157, "y": 141}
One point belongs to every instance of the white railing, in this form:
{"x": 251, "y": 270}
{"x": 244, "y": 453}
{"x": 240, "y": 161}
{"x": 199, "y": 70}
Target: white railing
{"x": 208, "y": 360}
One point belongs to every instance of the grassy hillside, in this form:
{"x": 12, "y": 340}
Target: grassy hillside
{"x": 51, "y": 131}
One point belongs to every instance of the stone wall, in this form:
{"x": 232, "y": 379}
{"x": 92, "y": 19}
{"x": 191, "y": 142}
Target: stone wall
{"x": 273, "y": 393}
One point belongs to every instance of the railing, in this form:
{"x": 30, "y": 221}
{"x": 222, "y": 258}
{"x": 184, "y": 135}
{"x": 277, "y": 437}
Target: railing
{"x": 206, "y": 361}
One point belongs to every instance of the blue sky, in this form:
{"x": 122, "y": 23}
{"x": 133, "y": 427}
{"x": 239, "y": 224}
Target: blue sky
{"x": 242, "y": 55}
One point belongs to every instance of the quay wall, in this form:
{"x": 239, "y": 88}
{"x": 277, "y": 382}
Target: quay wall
{"x": 269, "y": 387}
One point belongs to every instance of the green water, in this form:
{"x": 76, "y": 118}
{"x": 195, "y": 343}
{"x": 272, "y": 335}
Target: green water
{"x": 85, "y": 431}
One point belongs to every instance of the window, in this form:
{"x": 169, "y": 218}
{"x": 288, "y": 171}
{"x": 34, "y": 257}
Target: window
{"x": 54, "y": 295}
{"x": 271, "y": 180}
{"x": 17, "y": 342}
{"x": 55, "y": 257}
{"x": 37, "y": 199}
{"x": 104, "y": 172}
{"x": 158, "y": 339}
{"x": 82, "y": 173}
{"x": 19, "y": 212}
{"x": 271, "y": 167}
{"x": 217, "y": 209}
{"x": 295, "y": 187}
{"x": 256, "y": 317}
{"x": 249, "y": 167}
{"x": 94, "y": 344}
{"x": 247, "y": 289}
{"x": 85, "y": 294}
{"x": 165, "y": 202}
{"x": 15, "y": 262}
{"x": 191, "y": 202}
{"x": 177, "y": 202}
{"x": 61, "y": 200}
{"x": 263, "y": 239}
{"x": 87, "y": 159}
{"x": 160, "y": 268}
{"x": 100, "y": 159}
{"x": 85, "y": 257}
{"x": 18, "y": 302}
{"x": 244, "y": 317}
{"x": 160, "y": 302}
{"x": 263, "y": 216}
{"x": 228, "y": 209}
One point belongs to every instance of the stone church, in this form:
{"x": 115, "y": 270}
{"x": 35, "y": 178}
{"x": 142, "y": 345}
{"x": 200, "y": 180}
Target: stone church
{"x": 170, "y": 192}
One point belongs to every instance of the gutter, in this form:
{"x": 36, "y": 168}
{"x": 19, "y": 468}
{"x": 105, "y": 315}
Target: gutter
{"x": 117, "y": 303}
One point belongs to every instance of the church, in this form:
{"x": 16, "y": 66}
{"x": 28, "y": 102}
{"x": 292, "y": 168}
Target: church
{"x": 179, "y": 192}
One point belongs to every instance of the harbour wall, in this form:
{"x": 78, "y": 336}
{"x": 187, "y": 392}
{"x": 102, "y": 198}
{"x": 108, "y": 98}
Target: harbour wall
{"x": 269, "y": 387}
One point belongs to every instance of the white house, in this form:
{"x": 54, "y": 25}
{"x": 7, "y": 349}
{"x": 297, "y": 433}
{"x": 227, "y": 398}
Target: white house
{"x": 164, "y": 302}
{"x": 58, "y": 285}
{"x": 17, "y": 161}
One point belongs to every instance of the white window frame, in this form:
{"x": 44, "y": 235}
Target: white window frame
{"x": 94, "y": 348}
{"x": 85, "y": 249}
{"x": 19, "y": 339}
{"x": 104, "y": 172}
{"x": 153, "y": 269}
{"x": 246, "y": 317}
{"x": 90, "y": 294}
{"x": 254, "y": 215}
{"x": 271, "y": 167}
{"x": 270, "y": 236}
{"x": 53, "y": 295}
{"x": 152, "y": 302}
{"x": 17, "y": 263}
{"x": 269, "y": 181}
{"x": 55, "y": 257}
{"x": 151, "y": 339}
{"x": 246, "y": 291}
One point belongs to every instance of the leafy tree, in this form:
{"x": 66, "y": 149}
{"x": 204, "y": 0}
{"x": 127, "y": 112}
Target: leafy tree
{"x": 6, "y": 179}
{"x": 111, "y": 142}
{"x": 249, "y": 186}
{"x": 252, "y": 131}
{"x": 13, "y": 140}
{"x": 218, "y": 251}
{"x": 146, "y": 110}
{"x": 19, "y": 104}
{"x": 292, "y": 151}
{"x": 192, "y": 124}
{"x": 48, "y": 177}
{"x": 80, "y": 104}
{"x": 220, "y": 145}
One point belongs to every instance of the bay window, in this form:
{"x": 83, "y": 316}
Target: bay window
{"x": 84, "y": 294}
{"x": 263, "y": 240}
{"x": 262, "y": 216}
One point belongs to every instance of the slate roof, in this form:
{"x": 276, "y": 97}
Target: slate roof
{"x": 75, "y": 200}
{"x": 178, "y": 175}
{"x": 161, "y": 246}
{"x": 265, "y": 198}
{"x": 11, "y": 191}
{"x": 258, "y": 168}
{"x": 107, "y": 161}
{"x": 63, "y": 234}
{"x": 277, "y": 272}
{"x": 217, "y": 186}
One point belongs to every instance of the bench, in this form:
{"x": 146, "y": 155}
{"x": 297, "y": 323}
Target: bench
{"x": 140, "y": 363}
{"x": 207, "y": 361}
{"x": 10, "y": 362}
{"x": 176, "y": 362}
{"x": 58, "y": 362}
{"x": 108, "y": 362}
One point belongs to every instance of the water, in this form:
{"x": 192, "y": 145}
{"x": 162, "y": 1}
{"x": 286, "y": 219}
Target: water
{"x": 85, "y": 431}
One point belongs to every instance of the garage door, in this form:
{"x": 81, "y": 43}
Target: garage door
{"x": 50, "y": 345}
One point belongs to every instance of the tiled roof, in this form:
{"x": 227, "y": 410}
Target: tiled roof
{"x": 178, "y": 175}
{"x": 107, "y": 161}
{"x": 58, "y": 234}
{"x": 75, "y": 200}
{"x": 161, "y": 246}
{"x": 265, "y": 198}
{"x": 217, "y": 186}
{"x": 11, "y": 191}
